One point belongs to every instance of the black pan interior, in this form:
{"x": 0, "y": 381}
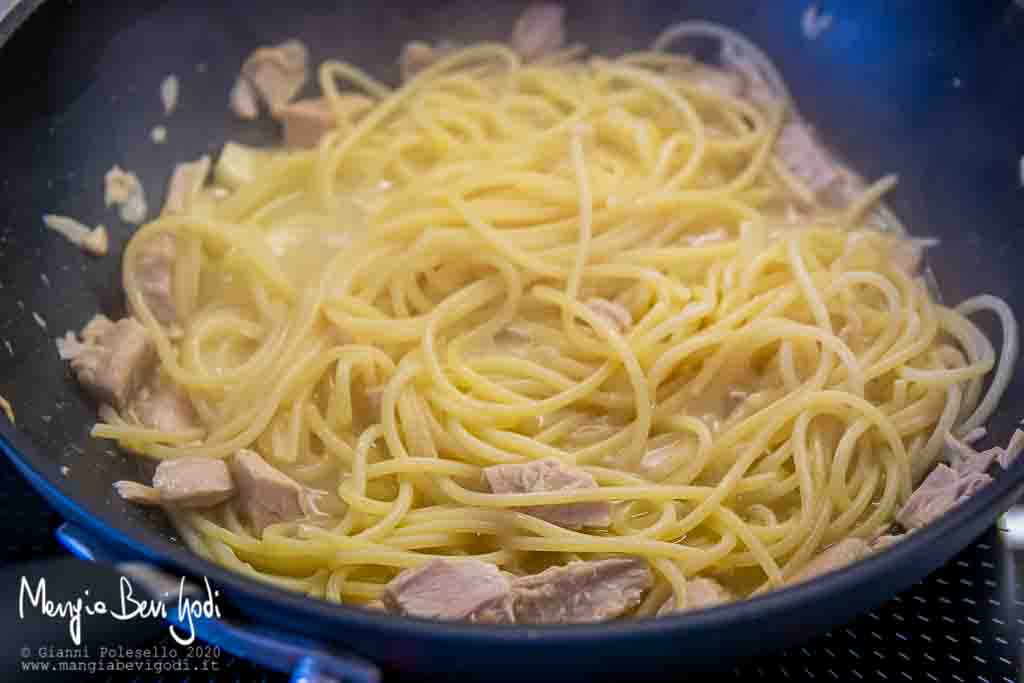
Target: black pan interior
{"x": 931, "y": 91}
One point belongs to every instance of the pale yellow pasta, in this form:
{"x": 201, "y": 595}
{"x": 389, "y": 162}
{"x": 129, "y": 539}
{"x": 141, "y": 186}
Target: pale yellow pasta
{"x": 383, "y": 316}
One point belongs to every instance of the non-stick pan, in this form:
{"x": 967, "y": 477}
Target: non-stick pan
{"x": 932, "y": 91}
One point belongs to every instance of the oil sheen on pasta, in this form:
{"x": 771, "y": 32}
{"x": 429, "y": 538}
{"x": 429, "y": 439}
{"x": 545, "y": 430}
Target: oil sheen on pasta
{"x": 383, "y": 316}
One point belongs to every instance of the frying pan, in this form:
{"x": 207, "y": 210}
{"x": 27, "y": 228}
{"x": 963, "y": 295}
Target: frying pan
{"x": 931, "y": 91}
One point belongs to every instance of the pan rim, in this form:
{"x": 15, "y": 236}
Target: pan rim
{"x": 970, "y": 518}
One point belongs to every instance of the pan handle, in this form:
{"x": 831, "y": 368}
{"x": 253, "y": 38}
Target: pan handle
{"x": 306, "y": 660}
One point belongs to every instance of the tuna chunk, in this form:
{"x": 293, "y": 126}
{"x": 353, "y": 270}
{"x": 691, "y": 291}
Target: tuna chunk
{"x": 185, "y": 482}
{"x": 948, "y": 485}
{"x": 809, "y": 161}
{"x": 266, "y": 495}
{"x": 137, "y": 493}
{"x": 92, "y": 240}
{"x": 907, "y": 254}
{"x": 906, "y": 257}
{"x": 550, "y": 474}
{"x": 464, "y": 589}
{"x": 539, "y": 31}
{"x": 582, "y": 592}
{"x": 193, "y": 482}
{"x": 720, "y": 81}
{"x": 244, "y": 101}
{"x": 306, "y": 121}
{"x": 884, "y": 541}
{"x": 756, "y": 86}
{"x": 451, "y": 590}
{"x": 844, "y": 552}
{"x": 943, "y": 489}
{"x": 273, "y": 75}
{"x": 164, "y": 405}
{"x": 186, "y": 182}
{"x": 701, "y": 593}
{"x": 123, "y": 188}
{"x": 619, "y": 316}
{"x": 417, "y": 56}
{"x": 1012, "y": 451}
{"x": 154, "y": 270}
{"x": 963, "y": 458}
{"x": 114, "y": 360}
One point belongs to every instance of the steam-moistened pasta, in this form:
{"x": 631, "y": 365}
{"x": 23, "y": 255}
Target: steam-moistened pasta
{"x": 533, "y": 316}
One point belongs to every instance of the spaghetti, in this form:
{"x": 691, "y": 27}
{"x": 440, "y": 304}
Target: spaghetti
{"x": 599, "y": 261}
